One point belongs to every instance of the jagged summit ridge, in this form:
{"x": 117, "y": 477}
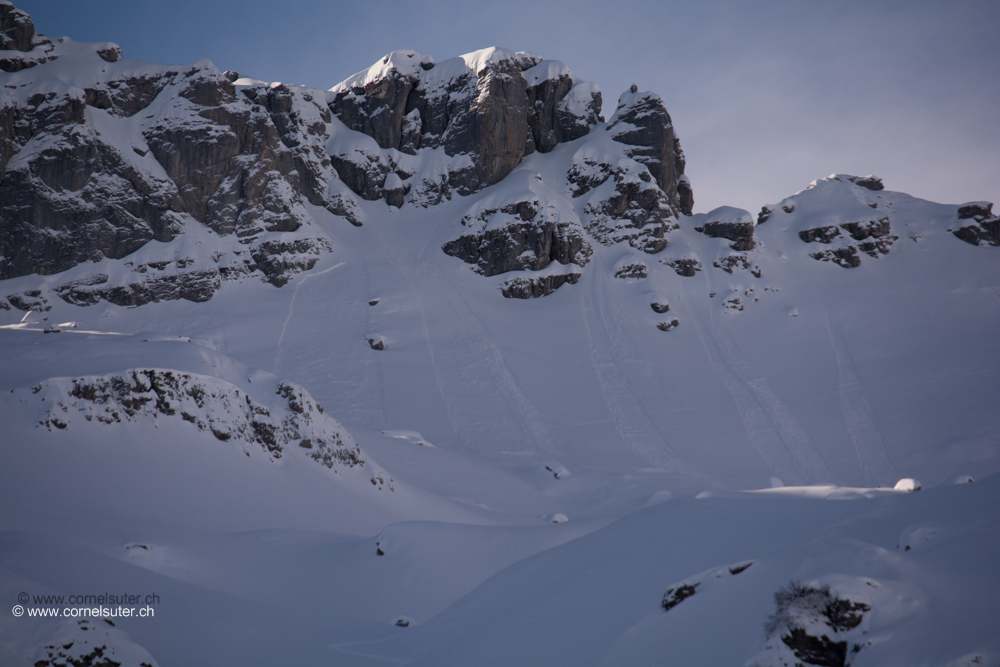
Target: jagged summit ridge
{"x": 101, "y": 156}
{"x": 492, "y": 106}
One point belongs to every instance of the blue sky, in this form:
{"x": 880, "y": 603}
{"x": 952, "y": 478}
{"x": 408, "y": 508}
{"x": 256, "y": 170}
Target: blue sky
{"x": 766, "y": 95}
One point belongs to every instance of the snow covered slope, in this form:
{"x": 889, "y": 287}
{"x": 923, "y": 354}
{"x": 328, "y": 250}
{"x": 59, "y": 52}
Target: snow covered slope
{"x": 546, "y": 383}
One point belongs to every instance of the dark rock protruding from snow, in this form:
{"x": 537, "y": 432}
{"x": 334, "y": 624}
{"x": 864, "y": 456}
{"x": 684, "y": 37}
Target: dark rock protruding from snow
{"x": 873, "y": 183}
{"x": 730, "y": 223}
{"x": 979, "y": 210}
{"x": 526, "y": 234}
{"x": 80, "y": 184}
{"x": 984, "y": 227}
{"x": 529, "y": 288}
{"x": 491, "y": 107}
{"x": 16, "y": 29}
{"x": 377, "y": 107}
{"x": 641, "y": 120}
{"x": 560, "y": 108}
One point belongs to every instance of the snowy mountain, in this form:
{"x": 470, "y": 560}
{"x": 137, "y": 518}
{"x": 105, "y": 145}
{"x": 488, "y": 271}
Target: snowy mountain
{"x": 439, "y": 357}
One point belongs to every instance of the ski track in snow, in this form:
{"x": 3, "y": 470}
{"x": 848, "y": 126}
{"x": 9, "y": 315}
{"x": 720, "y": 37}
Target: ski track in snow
{"x": 515, "y": 397}
{"x": 291, "y": 310}
{"x": 859, "y": 415}
{"x": 779, "y": 438}
{"x": 636, "y": 429}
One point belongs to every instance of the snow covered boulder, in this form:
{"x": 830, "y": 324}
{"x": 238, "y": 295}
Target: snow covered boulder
{"x": 907, "y": 484}
{"x": 730, "y": 223}
{"x": 979, "y": 210}
{"x": 984, "y": 227}
{"x": 873, "y": 183}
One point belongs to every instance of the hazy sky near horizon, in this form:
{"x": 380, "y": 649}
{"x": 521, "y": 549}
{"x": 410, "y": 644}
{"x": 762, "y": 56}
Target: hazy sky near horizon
{"x": 766, "y": 95}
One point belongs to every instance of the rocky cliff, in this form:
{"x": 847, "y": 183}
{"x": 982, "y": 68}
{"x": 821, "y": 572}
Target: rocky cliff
{"x": 101, "y": 156}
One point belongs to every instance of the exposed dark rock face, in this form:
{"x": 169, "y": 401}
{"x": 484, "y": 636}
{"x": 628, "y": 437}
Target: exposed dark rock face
{"x": 552, "y": 117}
{"x": 984, "y": 227}
{"x": 660, "y": 307}
{"x": 764, "y": 215}
{"x": 733, "y": 224}
{"x": 484, "y": 109}
{"x": 636, "y": 211}
{"x": 632, "y": 270}
{"x": 686, "y": 267}
{"x": 523, "y": 235}
{"x": 987, "y": 231}
{"x": 875, "y": 235}
{"x": 29, "y": 300}
{"x": 812, "y": 650}
{"x": 979, "y": 210}
{"x": 208, "y": 404}
{"x": 78, "y": 184}
{"x": 820, "y": 234}
{"x": 801, "y": 610}
{"x": 112, "y": 210}
{"x": 72, "y": 193}
{"x": 846, "y": 257}
{"x": 868, "y": 182}
{"x": 667, "y": 326}
{"x": 16, "y": 29}
{"x": 731, "y": 262}
{"x": 193, "y": 286}
{"x": 528, "y": 288}
{"x": 675, "y": 596}
{"x": 859, "y": 231}
{"x": 642, "y": 121}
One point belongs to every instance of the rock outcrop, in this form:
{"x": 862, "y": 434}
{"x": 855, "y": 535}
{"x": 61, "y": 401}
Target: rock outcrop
{"x": 730, "y": 223}
{"x": 642, "y": 122}
{"x": 980, "y": 225}
{"x": 532, "y": 229}
{"x": 99, "y": 156}
{"x": 102, "y": 157}
{"x": 287, "y": 421}
{"x": 485, "y": 111}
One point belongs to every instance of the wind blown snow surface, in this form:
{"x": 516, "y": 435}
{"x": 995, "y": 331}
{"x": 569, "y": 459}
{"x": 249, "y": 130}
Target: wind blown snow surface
{"x": 565, "y": 480}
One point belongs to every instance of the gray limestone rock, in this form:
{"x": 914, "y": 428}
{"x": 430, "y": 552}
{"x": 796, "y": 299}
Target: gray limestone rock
{"x": 635, "y": 211}
{"x": 979, "y": 210}
{"x": 76, "y": 195}
{"x": 378, "y": 108}
{"x": 985, "y": 231}
{"x": 863, "y": 229}
{"x": 820, "y": 234}
{"x": 519, "y": 236}
{"x": 16, "y": 29}
{"x": 686, "y": 267}
{"x": 529, "y": 288}
{"x": 846, "y": 256}
{"x": 491, "y": 115}
{"x": 868, "y": 182}
{"x": 195, "y": 286}
{"x": 733, "y": 224}
{"x": 641, "y": 121}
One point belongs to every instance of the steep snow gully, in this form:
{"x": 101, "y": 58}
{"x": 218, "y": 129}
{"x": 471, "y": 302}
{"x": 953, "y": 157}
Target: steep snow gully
{"x": 523, "y": 405}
